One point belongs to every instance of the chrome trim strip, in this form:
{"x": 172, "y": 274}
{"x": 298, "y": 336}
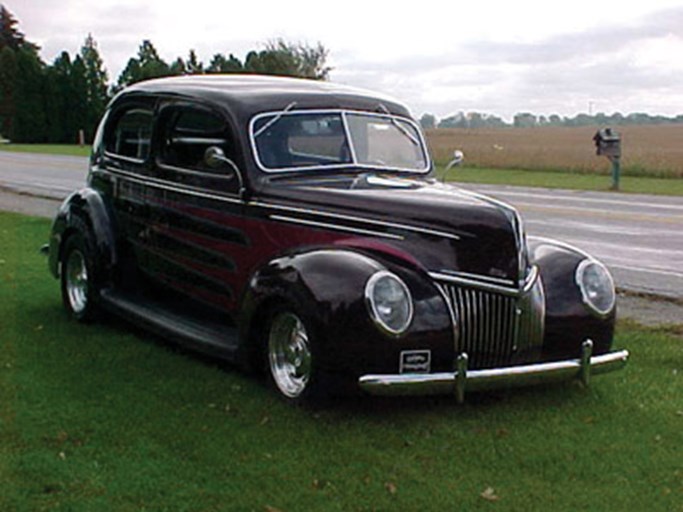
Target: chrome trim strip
{"x": 162, "y": 184}
{"x": 479, "y": 380}
{"x": 530, "y": 279}
{"x": 336, "y": 227}
{"x": 352, "y": 218}
{"x": 469, "y": 275}
{"x": 480, "y": 282}
{"x": 172, "y": 188}
{"x": 451, "y": 314}
{"x": 503, "y": 290}
{"x": 347, "y": 132}
{"x": 128, "y": 159}
{"x": 563, "y": 245}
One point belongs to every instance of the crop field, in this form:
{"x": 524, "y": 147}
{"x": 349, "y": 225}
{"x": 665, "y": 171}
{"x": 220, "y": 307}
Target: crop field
{"x": 655, "y": 151}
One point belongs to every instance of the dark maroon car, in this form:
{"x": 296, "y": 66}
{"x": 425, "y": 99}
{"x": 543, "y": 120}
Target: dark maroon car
{"x": 296, "y": 227}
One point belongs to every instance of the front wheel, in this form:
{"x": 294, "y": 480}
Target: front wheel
{"x": 291, "y": 359}
{"x": 78, "y": 279}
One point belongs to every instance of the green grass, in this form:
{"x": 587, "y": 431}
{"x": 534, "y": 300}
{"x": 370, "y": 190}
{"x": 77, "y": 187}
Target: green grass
{"x": 50, "y": 149}
{"x": 566, "y": 180}
{"x": 106, "y": 417}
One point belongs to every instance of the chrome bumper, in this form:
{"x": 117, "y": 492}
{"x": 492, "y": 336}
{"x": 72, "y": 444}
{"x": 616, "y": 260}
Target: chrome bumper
{"x": 476, "y": 380}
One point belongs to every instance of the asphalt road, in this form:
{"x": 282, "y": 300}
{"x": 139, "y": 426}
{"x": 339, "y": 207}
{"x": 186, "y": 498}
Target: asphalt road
{"x": 640, "y": 237}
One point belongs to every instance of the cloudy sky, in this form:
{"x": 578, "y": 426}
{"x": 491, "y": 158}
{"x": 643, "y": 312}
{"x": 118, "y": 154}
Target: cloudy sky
{"x": 497, "y": 57}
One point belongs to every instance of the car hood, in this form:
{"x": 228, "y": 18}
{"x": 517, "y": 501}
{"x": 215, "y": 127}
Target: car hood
{"x": 440, "y": 227}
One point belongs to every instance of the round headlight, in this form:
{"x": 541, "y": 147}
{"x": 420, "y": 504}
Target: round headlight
{"x": 596, "y": 285}
{"x": 389, "y": 302}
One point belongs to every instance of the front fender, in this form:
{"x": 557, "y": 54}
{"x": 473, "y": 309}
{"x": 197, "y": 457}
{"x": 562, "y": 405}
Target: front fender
{"x": 568, "y": 320}
{"x": 84, "y": 207}
{"x": 328, "y": 286}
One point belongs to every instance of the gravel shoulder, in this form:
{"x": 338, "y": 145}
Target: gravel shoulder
{"x": 645, "y": 310}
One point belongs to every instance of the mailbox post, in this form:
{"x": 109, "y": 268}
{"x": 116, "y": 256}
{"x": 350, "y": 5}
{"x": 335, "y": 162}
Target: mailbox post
{"x": 608, "y": 143}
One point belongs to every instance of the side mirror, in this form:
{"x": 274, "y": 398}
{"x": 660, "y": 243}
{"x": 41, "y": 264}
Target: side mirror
{"x": 458, "y": 159}
{"x": 214, "y": 158}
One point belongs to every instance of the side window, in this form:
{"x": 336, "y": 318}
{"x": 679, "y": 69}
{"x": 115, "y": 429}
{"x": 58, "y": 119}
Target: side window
{"x": 131, "y": 134}
{"x": 187, "y": 133}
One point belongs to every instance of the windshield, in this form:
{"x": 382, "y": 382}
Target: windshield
{"x": 286, "y": 141}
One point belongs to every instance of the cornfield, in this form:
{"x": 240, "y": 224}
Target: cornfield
{"x": 646, "y": 150}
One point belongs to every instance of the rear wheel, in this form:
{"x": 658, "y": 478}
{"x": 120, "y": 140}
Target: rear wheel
{"x": 290, "y": 354}
{"x": 78, "y": 279}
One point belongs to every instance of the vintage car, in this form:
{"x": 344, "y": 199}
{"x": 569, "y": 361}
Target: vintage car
{"x": 296, "y": 227}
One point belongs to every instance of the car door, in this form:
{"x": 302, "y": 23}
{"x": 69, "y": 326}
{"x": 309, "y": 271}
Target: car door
{"x": 195, "y": 207}
{"x": 120, "y": 173}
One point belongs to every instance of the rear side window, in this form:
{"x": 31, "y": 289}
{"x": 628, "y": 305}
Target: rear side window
{"x": 131, "y": 134}
{"x": 187, "y": 133}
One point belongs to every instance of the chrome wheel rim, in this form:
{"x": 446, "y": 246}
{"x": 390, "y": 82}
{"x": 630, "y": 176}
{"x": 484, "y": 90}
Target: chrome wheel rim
{"x": 76, "y": 274}
{"x": 289, "y": 354}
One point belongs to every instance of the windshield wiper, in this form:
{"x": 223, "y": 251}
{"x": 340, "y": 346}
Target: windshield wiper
{"x": 275, "y": 119}
{"x": 399, "y": 126}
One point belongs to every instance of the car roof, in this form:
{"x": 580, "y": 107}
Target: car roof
{"x": 247, "y": 95}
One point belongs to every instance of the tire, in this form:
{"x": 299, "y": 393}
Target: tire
{"x": 78, "y": 278}
{"x": 291, "y": 362}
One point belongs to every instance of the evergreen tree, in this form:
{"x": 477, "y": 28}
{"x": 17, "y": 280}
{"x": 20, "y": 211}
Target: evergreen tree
{"x": 147, "y": 65}
{"x": 8, "y": 78}
{"x": 219, "y": 64}
{"x": 178, "y": 67}
{"x": 96, "y": 81}
{"x": 57, "y": 90}
{"x": 21, "y": 81}
{"x": 29, "y": 123}
{"x": 9, "y": 34}
{"x": 192, "y": 65}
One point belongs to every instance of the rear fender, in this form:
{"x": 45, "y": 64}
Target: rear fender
{"x": 85, "y": 207}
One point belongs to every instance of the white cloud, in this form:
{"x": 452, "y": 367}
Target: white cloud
{"x": 489, "y": 56}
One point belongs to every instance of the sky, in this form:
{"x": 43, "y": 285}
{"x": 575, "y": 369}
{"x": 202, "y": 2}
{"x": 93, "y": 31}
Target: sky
{"x": 440, "y": 57}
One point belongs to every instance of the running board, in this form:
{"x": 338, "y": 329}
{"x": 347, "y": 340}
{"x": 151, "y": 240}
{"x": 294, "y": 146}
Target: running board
{"x": 206, "y": 335}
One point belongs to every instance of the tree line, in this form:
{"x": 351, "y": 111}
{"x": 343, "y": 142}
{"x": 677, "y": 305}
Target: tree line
{"x": 528, "y": 120}
{"x": 63, "y": 101}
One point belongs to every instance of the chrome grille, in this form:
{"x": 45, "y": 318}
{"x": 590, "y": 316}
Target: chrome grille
{"x": 493, "y": 328}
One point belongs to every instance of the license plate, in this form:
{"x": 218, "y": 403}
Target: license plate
{"x": 415, "y": 361}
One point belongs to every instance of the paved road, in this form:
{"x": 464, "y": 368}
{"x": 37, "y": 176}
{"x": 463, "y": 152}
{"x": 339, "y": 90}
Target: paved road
{"x": 640, "y": 237}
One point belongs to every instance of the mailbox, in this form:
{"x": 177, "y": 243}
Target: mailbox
{"x": 608, "y": 143}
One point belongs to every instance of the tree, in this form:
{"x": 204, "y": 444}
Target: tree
{"x": 178, "y": 67}
{"x": 428, "y": 121}
{"x": 29, "y": 124}
{"x": 147, "y": 65}
{"x": 219, "y": 64}
{"x": 287, "y": 59}
{"x": 192, "y": 65}
{"x": 524, "y": 120}
{"x": 10, "y": 36}
{"x": 96, "y": 83}
{"x": 458, "y": 120}
{"x": 21, "y": 80}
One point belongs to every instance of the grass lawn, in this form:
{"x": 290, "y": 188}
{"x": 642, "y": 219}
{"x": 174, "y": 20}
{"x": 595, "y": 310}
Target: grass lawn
{"x": 105, "y": 417}
{"x": 50, "y": 149}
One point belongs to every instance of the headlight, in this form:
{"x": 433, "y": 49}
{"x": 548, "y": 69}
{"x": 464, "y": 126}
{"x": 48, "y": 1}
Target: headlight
{"x": 596, "y": 285}
{"x": 389, "y": 302}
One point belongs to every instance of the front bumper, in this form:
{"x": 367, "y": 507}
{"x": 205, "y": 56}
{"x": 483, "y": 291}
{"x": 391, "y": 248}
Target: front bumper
{"x": 477, "y": 380}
